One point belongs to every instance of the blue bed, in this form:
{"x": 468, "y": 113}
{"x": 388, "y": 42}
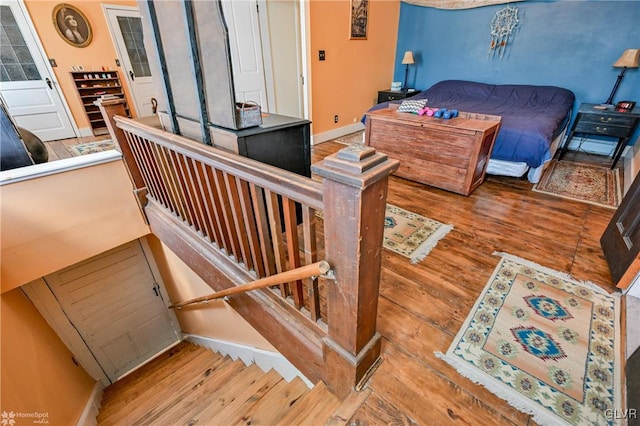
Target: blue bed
{"x": 534, "y": 119}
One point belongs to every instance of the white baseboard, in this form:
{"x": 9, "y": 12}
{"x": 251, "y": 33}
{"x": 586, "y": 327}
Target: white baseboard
{"x": 336, "y": 133}
{"x": 266, "y": 360}
{"x": 90, "y": 413}
{"x": 85, "y": 132}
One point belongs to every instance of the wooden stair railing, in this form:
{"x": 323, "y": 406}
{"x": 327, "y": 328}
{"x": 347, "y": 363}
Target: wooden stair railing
{"x": 307, "y": 271}
{"x": 233, "y": 220}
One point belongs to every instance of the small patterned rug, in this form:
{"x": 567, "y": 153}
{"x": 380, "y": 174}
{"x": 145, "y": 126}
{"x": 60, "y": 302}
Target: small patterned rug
{"x": 547, "y": 344}
{"x": 91, "y": 147}
{"x": 582, "y": 182}
{"x": 357, "y": 137}
{"x": 410, "y": 234}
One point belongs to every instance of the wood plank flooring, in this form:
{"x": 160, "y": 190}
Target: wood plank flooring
{"x": 421, "y": 308}
{"x": 59, "y": 150}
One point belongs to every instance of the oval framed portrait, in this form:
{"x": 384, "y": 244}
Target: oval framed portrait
{"x": 72, "y": 25}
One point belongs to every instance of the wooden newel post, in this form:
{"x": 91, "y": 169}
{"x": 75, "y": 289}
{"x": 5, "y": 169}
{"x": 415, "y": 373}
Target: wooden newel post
{"x": 109, "y": 109}
{"x": 354, "y": 195}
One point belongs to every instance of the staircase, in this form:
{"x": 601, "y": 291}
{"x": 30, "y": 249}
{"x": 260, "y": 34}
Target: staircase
{"x": 189, "y": 385}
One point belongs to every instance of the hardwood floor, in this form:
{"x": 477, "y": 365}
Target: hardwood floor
{"x": 422, "y": 306}
{"x": 59, "y": 150}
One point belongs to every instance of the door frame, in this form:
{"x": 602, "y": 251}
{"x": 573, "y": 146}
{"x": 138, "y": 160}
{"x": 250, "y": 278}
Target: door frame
{"x": 47, "y": 66}
{"x": 39, "y": 293}
{"x": 106, "y": 7}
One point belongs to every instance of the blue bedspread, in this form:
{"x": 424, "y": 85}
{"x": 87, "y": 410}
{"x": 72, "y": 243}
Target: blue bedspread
{"x": 532, "y": 116}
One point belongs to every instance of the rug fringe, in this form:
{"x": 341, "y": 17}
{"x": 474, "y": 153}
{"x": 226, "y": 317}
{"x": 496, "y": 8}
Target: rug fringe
{"x": 425, "y": 248}
{"x": 501, "y": 391}
{"x": 563, "y": 275}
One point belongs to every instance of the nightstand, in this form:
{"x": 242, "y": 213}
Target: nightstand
{"x": 604, "y": 122}
{"x": 388, "y": 95}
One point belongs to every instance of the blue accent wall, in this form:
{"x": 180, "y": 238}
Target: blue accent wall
{"x": 571, "y": 44}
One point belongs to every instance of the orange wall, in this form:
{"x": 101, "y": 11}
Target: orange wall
{"x": 347, "y": 82}
{"x": 38, "y": 374}
{"x": 100, "y": 52}
{"x": 217, "y": 320}
{"x": 51, "y": 222}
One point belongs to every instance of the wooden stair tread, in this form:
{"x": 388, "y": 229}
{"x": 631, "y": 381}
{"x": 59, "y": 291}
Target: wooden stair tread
{"x": 202, "y": 394}
{"x": 314, "y": 408}
{"x": 156, "y": 391}
{"x": 221, "y": 398}
{"x": 177, "y": 352}
{"x": 176, "y": 394}
{"x": 273, "y": 405}
{"x": 245, "y": 400}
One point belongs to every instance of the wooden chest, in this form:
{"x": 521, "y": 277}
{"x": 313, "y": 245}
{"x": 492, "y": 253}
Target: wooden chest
{"x": 449, "y": 154}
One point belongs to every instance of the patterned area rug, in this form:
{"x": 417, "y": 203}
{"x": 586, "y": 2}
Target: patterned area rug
{"x": 410, "y": 234}
{"x": 91, "y": 147}
{"x": 357, "y": 137}
{"x": 545, "y": 343}
{"x": 581, "y": 182}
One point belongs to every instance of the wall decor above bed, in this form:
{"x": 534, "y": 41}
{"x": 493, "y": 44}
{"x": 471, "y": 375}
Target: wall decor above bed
{"x": 457, "y": 4}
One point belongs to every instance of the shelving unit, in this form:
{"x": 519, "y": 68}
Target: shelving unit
{"x": 91, "y": 85}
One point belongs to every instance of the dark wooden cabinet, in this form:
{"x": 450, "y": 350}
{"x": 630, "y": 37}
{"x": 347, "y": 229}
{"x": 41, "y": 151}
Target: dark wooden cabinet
{"x": 280, "y": 141}
{"x": 389, "y": 95}
{"x": 607, "y": 122}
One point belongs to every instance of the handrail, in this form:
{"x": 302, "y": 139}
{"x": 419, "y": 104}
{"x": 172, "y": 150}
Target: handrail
{"x": 307, "y": 271}
{"x": 305, "y": 191}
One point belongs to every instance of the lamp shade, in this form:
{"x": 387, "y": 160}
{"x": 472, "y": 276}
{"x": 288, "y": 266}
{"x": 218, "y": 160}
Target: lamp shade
{"x": 629, "y": 59}
{"x": 408, "y": 58}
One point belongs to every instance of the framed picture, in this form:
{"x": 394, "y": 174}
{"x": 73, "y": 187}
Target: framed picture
{"x": 359, "y": 18}
{"x": 72, "y": 25}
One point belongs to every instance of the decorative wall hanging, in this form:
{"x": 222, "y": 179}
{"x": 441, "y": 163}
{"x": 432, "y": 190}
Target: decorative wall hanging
{"x": 503, "y": 25}
{"x": 72, "y": 25}
{"x": 457, "y": 4}
{"x": 359, "y": 18}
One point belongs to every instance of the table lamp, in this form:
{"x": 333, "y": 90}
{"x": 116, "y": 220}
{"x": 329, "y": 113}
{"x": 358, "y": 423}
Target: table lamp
{"x": 629, "y": 59}
{"x": 406, "y": 61}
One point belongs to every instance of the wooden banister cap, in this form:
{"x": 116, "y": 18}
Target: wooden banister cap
{"x": 356, "y": 165}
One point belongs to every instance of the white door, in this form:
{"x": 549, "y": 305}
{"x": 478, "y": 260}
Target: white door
{"x": 26, "y": 83}
{"x": 245, "y": 41}
{"x": 115, "y": 304}
{"x": 125, "y": 26}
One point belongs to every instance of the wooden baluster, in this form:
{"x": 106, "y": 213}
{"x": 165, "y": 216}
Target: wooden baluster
{"x": 182, "y": 188}
{"x": 109, "y": 110}
{"x": 354, "y": 196}
{"x": 250, "y": 226}
{"x": 291, "y": 230}
{"x": 262, "y": 222}
{"x": 224, "y": 241}
{"x": 206, "y": 203}
{"x": 223, "y": 197}
{"x": 238, "y": 220}
{"x": 148, "y": 162}
{"x": 168, "y": 177}
{"x": 311, "y": 256}
{"x": 273, "y": 210}
{"x": 202, "y": 212}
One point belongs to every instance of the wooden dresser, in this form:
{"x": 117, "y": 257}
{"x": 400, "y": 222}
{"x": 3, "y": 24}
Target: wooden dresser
{"x": 449, "y": 154}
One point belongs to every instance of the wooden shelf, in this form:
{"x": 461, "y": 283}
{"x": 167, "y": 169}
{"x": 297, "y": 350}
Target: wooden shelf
{"x": 93, "y": 89}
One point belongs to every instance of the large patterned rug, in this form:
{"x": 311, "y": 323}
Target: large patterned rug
{"x": 582, "y": 182}
{"x": 547, "y": 344}
{"x": 91, "y": 147}
{"x": 409, "y": 234}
